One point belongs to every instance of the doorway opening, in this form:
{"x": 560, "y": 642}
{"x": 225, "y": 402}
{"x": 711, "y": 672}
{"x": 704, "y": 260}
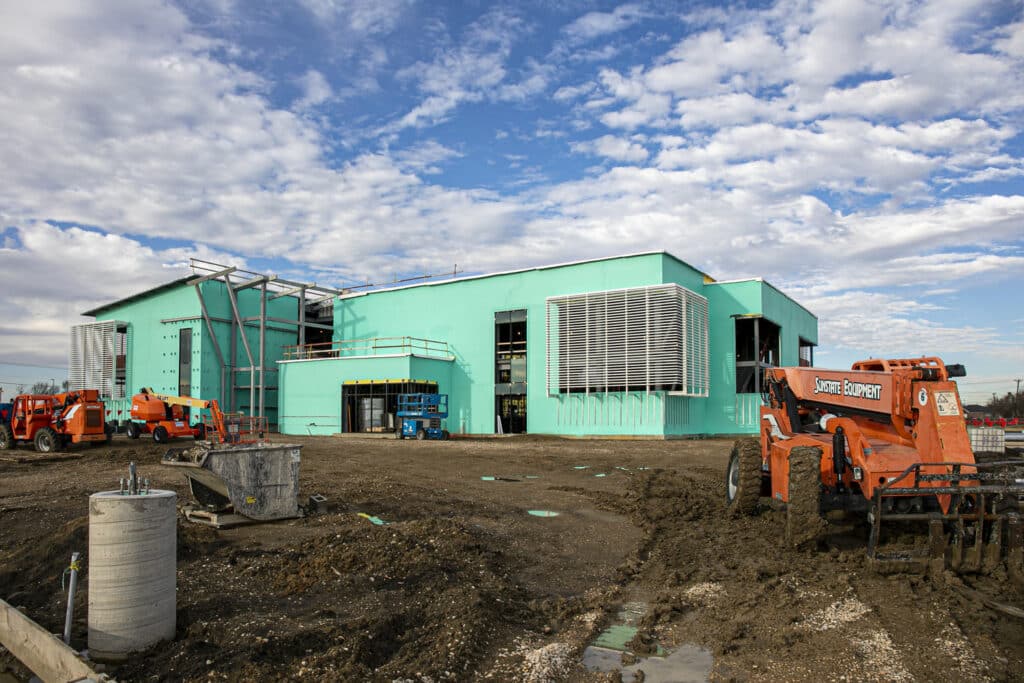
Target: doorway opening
{"x": 757, "y": 348}
{"x": 370, "y": 406}
{"x": 510, "y": 371}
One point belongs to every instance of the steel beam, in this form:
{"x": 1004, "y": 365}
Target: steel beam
{"x": 245, "y": 344}
{"x": 256, "y": 318}
{"x": 213, "y": 338}
{"x": 288, "y": 292}
{"x": 255, "y": 282}
{"x": 263, "y": 343}
{"x": 212, "y": 276}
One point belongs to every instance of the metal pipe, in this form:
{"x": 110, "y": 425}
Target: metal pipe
{"x": 73, "y": 570}
{"x": 245, "y": 344}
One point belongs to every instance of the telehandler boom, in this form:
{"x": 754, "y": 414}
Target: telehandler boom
{"x": 888, "y": 438}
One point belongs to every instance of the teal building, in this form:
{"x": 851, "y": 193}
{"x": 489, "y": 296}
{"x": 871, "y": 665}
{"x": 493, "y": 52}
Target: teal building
{"x": 636, "y": 345}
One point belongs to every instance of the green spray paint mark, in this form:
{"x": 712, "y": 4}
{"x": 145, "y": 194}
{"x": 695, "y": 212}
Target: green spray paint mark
{"x": 542, "y": 513}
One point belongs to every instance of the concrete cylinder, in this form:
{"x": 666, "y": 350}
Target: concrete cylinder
{"x": 132, "y": 567}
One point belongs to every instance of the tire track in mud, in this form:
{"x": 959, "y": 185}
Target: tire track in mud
{"x": 769, "y": 611}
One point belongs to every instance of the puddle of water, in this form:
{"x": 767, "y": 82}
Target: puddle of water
{"x": 542, "y": 513}
{"x": 685, "y": 664}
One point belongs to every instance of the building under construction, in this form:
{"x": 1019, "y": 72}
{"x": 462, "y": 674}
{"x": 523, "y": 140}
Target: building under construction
{"x": 642, "y": 345}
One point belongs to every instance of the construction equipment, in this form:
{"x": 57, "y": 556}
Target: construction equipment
{"x": 52, "y": 421}
{"x": 421, "y": 416}
{"x": 164, "y": 416}
{"x": 887, "y": 438}
{"x": 233, "y": 484}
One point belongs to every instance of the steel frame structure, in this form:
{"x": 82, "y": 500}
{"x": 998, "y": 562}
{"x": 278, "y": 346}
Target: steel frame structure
{"x": 271, "y": 287}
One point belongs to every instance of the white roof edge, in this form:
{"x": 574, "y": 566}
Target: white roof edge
{"x": 521, "y": 270}
{"x": 737, "y": 280}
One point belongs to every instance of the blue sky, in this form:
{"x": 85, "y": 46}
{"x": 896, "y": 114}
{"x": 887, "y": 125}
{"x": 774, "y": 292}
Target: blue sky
{"x": 868, "y": 158}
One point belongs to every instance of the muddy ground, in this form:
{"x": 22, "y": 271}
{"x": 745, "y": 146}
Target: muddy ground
{"x": 463, "y": 585}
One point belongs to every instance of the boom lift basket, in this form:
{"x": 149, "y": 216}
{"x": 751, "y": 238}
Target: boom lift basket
{"x": 238, "y": 429}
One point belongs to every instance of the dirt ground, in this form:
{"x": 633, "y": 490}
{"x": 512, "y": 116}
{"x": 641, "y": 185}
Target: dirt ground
{"x": 463, "y": 585}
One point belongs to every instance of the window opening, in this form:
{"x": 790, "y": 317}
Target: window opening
{"x": 757, "y": 348}
{"x": 806, "y": 353}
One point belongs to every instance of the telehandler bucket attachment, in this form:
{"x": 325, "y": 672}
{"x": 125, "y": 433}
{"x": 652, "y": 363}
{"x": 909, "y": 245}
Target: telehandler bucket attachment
{"x": 259, "y": 481}
{"x": 982, "y": 527}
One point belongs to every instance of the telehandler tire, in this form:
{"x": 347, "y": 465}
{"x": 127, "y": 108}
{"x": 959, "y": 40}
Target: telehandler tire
{"x": 743, "y": 477}
{"x": 46, "y": 441}
{"x": 6, "y": 438}
{"x": 804, "y": 523}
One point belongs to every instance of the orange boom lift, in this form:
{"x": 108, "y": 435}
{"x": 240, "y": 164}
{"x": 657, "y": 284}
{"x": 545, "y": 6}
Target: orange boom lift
{"x": 887, "y": 438}
{"x": 163, "y": 416}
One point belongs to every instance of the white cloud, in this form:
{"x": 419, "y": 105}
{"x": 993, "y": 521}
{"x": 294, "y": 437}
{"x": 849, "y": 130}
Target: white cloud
{"x": 315, "y": 89}
{"x": 616, "y": 148}
{"x": 377, "y": 17}
{"x": 468, "y": 72}
{"x": 595, "y": 24}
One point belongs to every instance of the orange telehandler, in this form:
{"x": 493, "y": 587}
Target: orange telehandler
{"x": 887, "y": 438}
{"x": 52, "y": 421}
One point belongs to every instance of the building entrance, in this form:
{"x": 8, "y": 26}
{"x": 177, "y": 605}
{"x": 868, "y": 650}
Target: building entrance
{"x": 510, "y": 371}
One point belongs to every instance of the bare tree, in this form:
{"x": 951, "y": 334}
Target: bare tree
{"x": 44, "y": 387}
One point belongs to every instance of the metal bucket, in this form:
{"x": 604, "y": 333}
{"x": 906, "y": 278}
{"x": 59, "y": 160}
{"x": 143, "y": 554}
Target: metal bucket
{"x": 260, "y": 481}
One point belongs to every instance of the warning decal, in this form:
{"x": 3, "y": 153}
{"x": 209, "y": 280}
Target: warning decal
{"x": 945, "y": 402}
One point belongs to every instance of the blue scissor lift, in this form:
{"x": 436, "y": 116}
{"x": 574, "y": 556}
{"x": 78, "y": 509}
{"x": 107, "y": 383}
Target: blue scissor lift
{"x": 421, "y": 416}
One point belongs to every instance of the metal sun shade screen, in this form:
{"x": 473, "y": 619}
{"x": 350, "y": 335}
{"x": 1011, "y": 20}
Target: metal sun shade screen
{"x": 640, "y": 339}
{"x": 93, "y": 357}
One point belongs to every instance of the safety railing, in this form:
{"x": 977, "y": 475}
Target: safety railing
{"x": 238, "y": 429}
{"x": 372, "y": 346}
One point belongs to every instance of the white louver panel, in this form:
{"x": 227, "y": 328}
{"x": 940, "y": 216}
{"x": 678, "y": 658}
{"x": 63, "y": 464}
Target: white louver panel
{"x": 92, "y": 363}
{"x": 644, "y": 338}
